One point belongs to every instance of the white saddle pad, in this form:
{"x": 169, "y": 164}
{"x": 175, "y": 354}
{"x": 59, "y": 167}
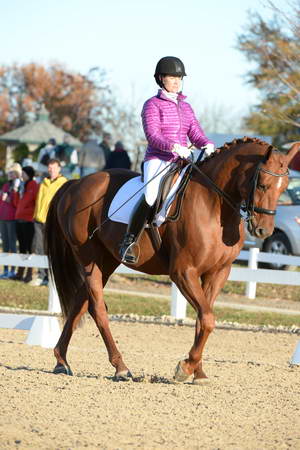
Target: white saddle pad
{"x": 130, "y": 193}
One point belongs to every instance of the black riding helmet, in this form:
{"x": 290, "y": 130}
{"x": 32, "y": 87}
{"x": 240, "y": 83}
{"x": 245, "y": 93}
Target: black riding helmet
{"x": 169, "y": 65}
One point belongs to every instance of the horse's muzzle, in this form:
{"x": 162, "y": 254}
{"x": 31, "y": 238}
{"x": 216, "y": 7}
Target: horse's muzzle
{"x": 257, "y": 231}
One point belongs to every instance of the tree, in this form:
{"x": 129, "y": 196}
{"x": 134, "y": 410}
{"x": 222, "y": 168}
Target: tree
{"x": 274, "y": 48}
{"x": 219, "y": 118}
{"x": 127, "y": 127}
{"x": 124, "y": 121}
{"x": 77, "y": 103}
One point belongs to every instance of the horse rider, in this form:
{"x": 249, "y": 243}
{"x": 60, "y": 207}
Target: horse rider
{"x": 168, "y": 120}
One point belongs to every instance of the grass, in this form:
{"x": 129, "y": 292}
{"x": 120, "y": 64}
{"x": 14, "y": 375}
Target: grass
{"x": 263, "y": 290}
{"x": 20, "y": 295}
{"x": 256, "y": 318}
{"x": 125, "y": 304}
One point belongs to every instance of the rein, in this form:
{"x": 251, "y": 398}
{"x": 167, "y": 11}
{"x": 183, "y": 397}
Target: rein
{"x": 218, "y": 190}
{"x": 249, "y": 207}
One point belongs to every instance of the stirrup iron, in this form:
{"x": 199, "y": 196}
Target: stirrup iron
{"x": 127, "y": 249}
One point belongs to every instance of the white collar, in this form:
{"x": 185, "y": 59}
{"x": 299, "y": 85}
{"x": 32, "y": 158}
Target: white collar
{"x": 171, "y": 95}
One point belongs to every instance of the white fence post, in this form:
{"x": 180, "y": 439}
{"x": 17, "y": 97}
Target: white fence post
{"x": 178, "y": 303}
{"x": 45, "y": 330}
{"x": 296, "y": 356}
{"x": 53, "y": 300}
{"x": 252, "y": 264}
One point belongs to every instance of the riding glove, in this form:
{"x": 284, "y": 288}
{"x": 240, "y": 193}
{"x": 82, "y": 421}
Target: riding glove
{"x": 208, "y": 150}
{"x": 181, "y": 151}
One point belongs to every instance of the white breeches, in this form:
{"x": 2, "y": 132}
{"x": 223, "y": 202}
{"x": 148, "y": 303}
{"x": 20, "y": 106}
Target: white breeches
{"x": 151, "y": 168}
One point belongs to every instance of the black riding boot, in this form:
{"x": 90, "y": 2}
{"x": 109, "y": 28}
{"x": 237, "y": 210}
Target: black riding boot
{"x": 136, "y": 225}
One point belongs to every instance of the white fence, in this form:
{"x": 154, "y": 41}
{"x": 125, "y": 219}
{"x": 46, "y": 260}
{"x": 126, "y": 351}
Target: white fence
{"x": 251, "y": 275}
{"x": 45, "y": 330}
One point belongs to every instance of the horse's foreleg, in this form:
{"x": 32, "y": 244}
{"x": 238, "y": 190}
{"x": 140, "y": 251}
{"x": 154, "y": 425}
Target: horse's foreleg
{"x": 98, "y": 311}
{"x": 212, "y": 283}
{"x": 60, "y": 351}
{"x": 189, "y": 285}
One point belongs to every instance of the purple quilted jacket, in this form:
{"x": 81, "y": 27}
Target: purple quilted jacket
{"x": 167, "y": 123}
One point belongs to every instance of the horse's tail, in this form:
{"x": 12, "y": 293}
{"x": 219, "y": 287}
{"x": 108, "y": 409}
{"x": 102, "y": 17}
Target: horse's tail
{"x": 64, "y": 269}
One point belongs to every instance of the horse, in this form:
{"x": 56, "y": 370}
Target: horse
{"x": 196, "y": 251}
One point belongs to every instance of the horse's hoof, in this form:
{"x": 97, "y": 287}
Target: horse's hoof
{"x": 61, "y": 369}
{"x": 180, "y": 375}
{"x": 124, "y": 375}
{"x": 201, "y": 381}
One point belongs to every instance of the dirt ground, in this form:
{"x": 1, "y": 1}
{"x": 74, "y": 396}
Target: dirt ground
{"x": 251, "y": 402}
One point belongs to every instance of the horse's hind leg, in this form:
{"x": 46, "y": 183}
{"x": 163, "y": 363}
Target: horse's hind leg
{"x": 79, "y": 307}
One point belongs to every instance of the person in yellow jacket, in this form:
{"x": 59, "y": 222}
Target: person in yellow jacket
{"x": 48, "y": 188}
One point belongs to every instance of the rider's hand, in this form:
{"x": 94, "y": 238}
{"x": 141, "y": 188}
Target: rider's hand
{"x": 181, "y": 151}
{"x": 16, "y": 184}
{"x": 208, "y": 150}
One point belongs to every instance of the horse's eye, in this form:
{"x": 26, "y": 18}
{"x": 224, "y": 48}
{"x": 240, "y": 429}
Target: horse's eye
{"x": 262, "y": 187}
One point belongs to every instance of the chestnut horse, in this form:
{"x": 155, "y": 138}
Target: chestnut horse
{"x": 196, "y": 251}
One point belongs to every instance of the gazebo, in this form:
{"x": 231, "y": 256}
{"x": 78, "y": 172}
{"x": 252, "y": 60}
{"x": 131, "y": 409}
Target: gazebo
{"x": 34, "y": 134}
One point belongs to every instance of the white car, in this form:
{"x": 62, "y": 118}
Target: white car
{"x": 286, "y": 236}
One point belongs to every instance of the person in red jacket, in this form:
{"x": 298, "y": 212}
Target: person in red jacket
{"x": 24, "y": 201}
{"x": 7, "y": 215}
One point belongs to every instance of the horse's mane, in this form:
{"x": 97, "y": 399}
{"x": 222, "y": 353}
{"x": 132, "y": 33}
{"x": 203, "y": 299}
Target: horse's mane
{"x": 234, "y": 142}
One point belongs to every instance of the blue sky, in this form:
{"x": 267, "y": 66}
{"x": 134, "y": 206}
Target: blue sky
{"x": 126, "y": 38}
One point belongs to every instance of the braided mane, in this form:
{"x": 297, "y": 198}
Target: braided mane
{"x": 244, "y": 140}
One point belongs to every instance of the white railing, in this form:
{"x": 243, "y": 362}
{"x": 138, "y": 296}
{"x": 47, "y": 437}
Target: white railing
{"x": 250, "y": 275}
{"x": 45, "y": 330}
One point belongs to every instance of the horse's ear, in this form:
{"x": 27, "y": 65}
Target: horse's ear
{"x": 293, "y": 149}
{"x": 268, "y": 153}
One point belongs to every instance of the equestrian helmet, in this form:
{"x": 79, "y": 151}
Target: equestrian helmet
{"x": 169, "y": 65}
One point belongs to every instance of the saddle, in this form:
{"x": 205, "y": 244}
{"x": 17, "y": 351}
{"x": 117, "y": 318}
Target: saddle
{"x": 166, "y": 184}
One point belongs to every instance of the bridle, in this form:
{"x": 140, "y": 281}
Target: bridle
{"x": 247, "y": 208}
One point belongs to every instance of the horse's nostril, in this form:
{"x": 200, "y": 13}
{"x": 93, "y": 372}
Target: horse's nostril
{"x": 261, "y": 232}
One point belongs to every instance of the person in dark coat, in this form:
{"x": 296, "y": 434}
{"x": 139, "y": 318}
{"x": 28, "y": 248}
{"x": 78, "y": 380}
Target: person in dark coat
{"x": 105, "y": 146}
{"x": 118, "y": 158}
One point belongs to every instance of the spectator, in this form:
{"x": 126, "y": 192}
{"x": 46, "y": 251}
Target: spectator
{"x": 105, "y": 146}
{"x": 27, "y": 161}
{"x": 118, "y": 158}
{"x": 67, "y": 156}
{"x": 91, "y": 158}
{"x": 46, "y": 192}
{"x": 7, "y": 215}
{"x": 46, "y": 153}
{"x": 24, "y": 200}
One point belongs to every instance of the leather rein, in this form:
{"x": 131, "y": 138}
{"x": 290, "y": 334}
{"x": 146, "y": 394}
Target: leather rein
{"x": 248, "y": 208}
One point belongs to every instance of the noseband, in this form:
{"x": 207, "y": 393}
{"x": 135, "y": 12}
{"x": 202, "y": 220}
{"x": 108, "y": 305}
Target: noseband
{"x": 249, "y": 208}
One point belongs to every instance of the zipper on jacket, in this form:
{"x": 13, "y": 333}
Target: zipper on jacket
{"x": 178, "y": 110}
